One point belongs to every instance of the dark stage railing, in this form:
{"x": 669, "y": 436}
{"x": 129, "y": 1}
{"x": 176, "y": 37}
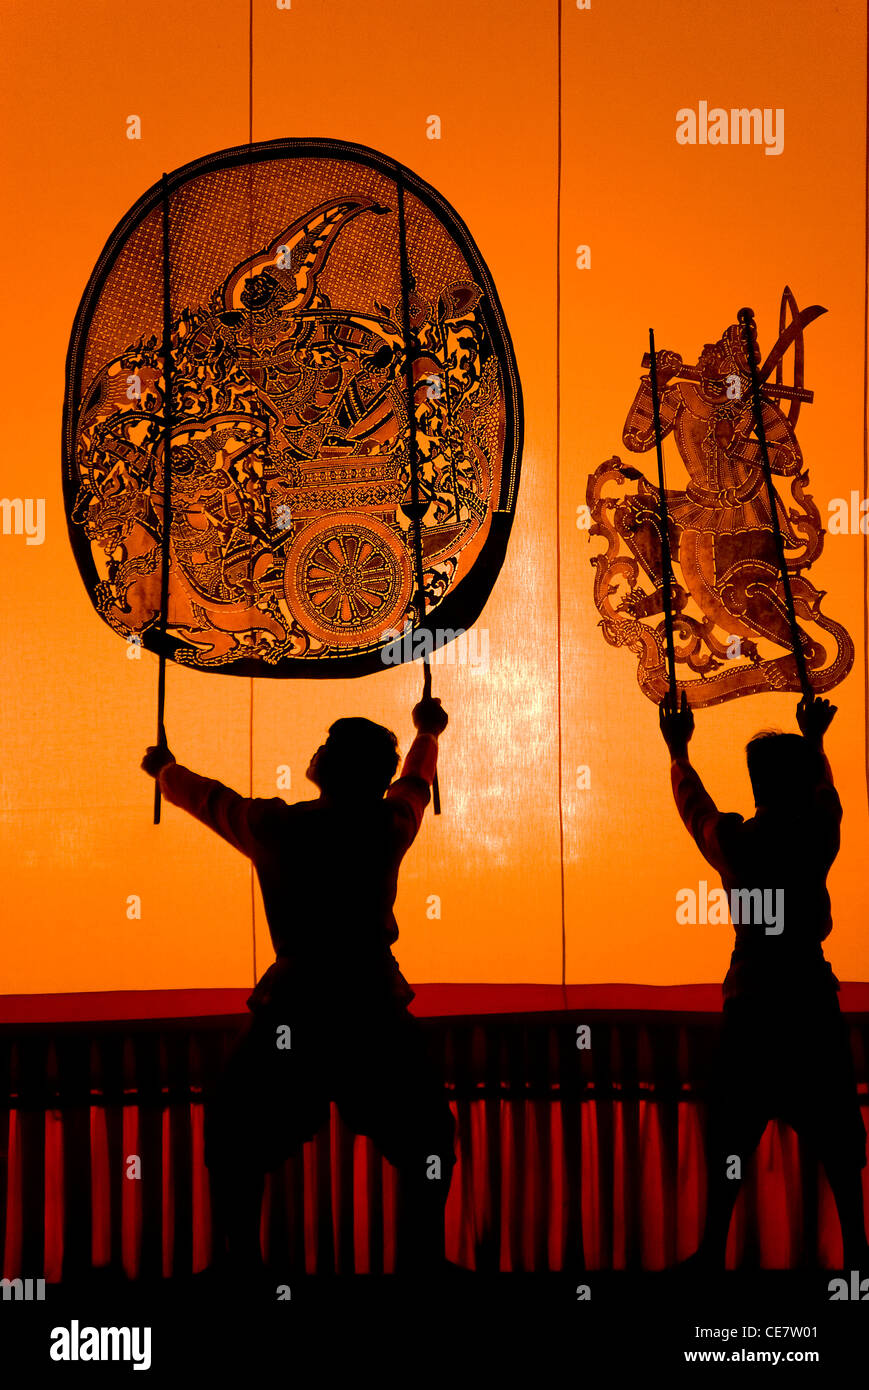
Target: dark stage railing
{"x": 568, "y": 1158}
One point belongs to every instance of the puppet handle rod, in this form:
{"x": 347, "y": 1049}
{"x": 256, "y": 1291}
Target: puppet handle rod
{"x": 167, "y": 489}
{"x": 426, "y": 695}
{"x": 769, "y": 388}
{"x": 667, "y": 562}
{"x": 404, "y": 266}
{"x": 746, "y": 319}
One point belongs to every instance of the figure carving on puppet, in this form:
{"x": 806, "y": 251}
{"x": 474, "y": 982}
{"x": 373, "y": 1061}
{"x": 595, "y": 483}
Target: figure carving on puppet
{"x": 731, "y": 624}
{"x": 295, "y": 519}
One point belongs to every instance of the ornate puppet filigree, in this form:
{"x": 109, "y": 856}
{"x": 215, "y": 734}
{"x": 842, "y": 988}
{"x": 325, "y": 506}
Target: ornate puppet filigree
{"x": 731, "y": 630}
{"x": 291, "y": 545}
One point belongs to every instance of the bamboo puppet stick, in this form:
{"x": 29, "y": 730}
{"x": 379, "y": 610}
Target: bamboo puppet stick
{"x": 414, "y": 455}
{"x": 666, "y": 557}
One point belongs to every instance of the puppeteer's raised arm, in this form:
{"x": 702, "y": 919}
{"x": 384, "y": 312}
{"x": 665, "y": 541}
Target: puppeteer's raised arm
{"x": 238, "y": 819}
{"x": 814, "y": 717}
{"x": 701, "y": 817}
{"x": 411, "y": 792}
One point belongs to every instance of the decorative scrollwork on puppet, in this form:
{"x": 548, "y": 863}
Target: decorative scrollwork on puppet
{"x": 292, "y": 534}
{"x": 731, "y": 628}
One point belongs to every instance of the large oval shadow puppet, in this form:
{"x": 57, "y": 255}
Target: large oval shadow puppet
{"x": 299, "y": 519}
{"x": 743, "y": 615}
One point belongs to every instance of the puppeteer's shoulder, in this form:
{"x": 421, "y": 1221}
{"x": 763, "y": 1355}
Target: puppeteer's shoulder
{"x": 406, "y": 790}
{"x": 275, "y": 811}
{"x": 733, "y": 826}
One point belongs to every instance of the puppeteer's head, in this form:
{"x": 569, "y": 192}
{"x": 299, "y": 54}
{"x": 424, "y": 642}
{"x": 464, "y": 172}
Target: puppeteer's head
{"x": 784, "y": 769}
{"x": 357, "y": 761}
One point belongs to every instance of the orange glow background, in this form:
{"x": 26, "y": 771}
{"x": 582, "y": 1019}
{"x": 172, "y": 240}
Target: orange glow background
{"x": 680, "y": 237}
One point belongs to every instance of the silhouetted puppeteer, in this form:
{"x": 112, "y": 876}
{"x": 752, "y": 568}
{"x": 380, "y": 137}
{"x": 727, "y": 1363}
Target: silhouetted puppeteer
{"x": 784, "y": 1050}
{"x": 330, "y": 1020}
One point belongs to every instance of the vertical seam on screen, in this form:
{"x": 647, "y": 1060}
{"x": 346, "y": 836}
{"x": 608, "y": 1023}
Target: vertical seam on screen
{"x": 250, "y": 360}
{"x": 865, "y": 410}
{"x": 252, "y": 877}
{"x": 558, "y": 516}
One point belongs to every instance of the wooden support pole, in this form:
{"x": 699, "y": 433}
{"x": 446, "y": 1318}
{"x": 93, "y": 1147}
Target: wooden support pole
{"x": 746, "y": 319}
{"x": 666, "y": 558}
{"x": 414, "y": 455}
{"x": 167, "y": 488}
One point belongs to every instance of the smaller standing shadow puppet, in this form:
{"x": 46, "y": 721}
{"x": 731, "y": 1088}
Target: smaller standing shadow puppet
{"x": 732, "y": 634}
